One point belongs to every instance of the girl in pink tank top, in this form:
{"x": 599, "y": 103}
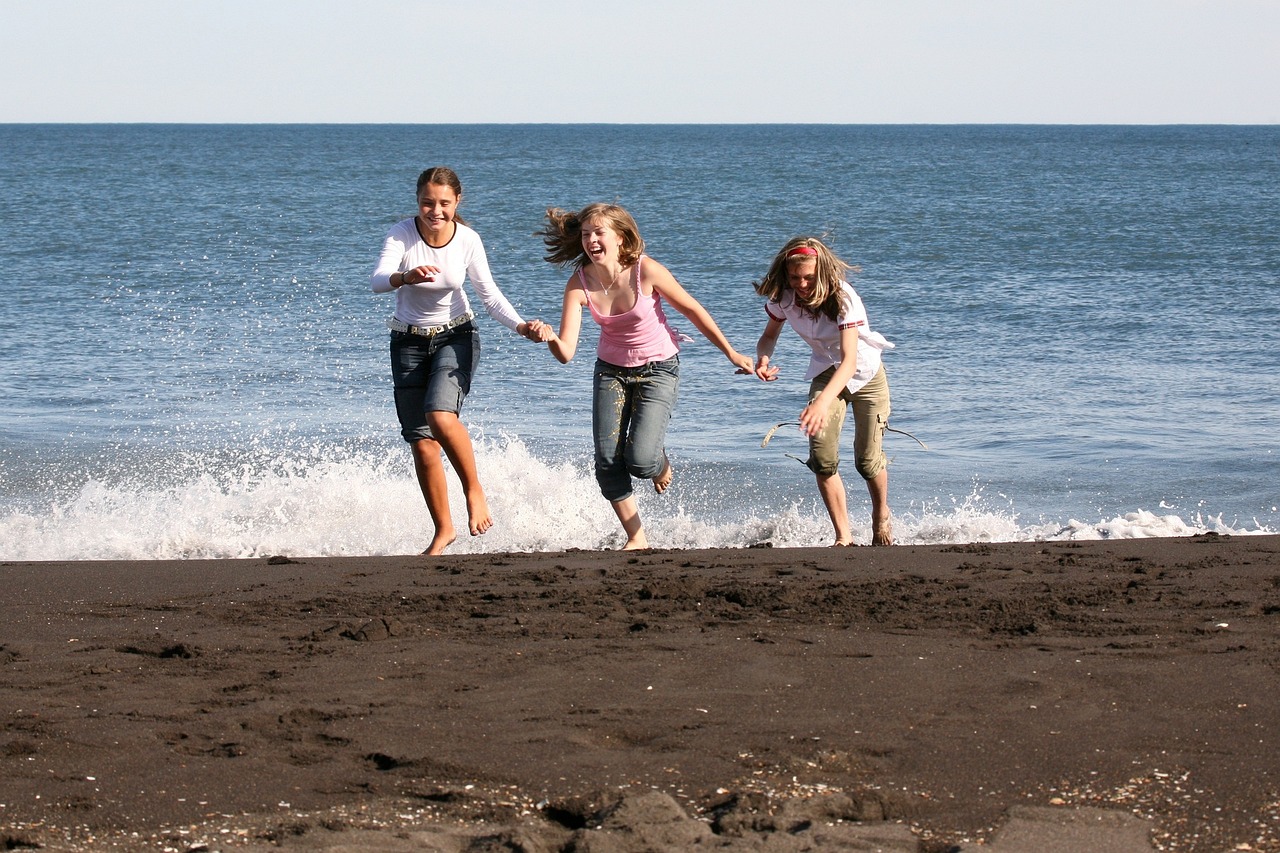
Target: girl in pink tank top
{"x": 633, "y": 337}
{"x": 637, "y": 372}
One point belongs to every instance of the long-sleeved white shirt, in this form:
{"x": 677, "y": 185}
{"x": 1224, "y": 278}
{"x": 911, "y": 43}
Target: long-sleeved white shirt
{"x": 437, "y": 302}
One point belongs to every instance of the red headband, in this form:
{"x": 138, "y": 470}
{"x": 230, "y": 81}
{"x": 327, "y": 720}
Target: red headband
{"x": 802, "y": 250}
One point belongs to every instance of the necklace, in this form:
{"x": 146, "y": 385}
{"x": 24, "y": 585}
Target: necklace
{"x": 605, "y": 288}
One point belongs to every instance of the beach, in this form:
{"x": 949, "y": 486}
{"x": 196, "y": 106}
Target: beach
{"x": 925, "y": 697}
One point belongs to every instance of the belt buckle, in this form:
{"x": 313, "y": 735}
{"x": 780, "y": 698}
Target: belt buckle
{"x": 432, "y": 331}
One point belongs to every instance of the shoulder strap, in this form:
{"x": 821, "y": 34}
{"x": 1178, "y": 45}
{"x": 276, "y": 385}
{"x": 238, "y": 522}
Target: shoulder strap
{"x": 582, "y": 282}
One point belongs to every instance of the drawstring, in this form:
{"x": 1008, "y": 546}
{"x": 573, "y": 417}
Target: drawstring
{"x": 769, "y": 435}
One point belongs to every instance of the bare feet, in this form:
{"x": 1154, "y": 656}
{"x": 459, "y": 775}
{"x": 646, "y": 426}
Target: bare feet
{"x": 478, "y": 518}
{"x": 842, "y": 543}
{"x": 442, "y": 539}
{"x": 882, "y": 532}
{"x": 663, "y": 480}
{"x": 630, "y": 518}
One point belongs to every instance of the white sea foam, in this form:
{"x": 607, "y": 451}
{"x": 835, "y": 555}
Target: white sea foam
{"x": 342, "y": 502}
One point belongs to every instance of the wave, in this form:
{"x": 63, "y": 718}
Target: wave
{"x": 347, "y": 502}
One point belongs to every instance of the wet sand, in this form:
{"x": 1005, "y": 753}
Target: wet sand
{"x": 924, "y": 698}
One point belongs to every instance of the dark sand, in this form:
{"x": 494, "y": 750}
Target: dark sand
{"x": 910, "y": 699}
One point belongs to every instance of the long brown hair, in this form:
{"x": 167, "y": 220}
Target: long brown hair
{"x": 563, "y": 234}
{"x": 825, "y": 299}
{"x": 441, "y": 176}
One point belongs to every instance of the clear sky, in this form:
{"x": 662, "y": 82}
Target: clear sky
{"x": 464, "y": 61}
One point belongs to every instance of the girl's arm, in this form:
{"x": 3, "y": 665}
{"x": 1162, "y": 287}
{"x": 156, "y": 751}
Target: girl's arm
{"x": 491, "y": 296}
{"x": 814, "y": 416}
{"x": 665, "y": 283}
{"x": 564, "y": 345}
{"x": 764, "y": 349}
{"x": 386, "y": 274}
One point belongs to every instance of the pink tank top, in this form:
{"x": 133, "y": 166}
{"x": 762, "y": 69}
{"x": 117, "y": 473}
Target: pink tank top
{"x": 638, "y": 336}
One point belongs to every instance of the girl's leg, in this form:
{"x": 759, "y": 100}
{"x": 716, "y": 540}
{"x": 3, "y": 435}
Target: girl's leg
{"x": 881, "y": 524}
{"x": 871, "y": 417}
{"x": 430, "y": 470}
{"x": 411, "y": 364}
{"x": 610, "y": 415}
{"x": 653, "y": 401}
{"x": 831, "y": 488}
{"x": 629, "y": 415}
{"x": 452, "y": 436}
{"x": 824, "y": 461}
{"x": 433, "y": 377}
{"x": 629, "y": 515}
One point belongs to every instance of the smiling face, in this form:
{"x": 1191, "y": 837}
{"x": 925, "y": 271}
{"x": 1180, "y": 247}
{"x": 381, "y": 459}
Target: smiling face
{"x": 802, "y": 277}
{"x": 601, "y": 243}
{"x": 437, "y": 206}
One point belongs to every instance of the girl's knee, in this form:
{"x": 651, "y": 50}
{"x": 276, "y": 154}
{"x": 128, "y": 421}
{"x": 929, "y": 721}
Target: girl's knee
{"x": 646, "y": 468}
{"x": 441, "y": 419}
{"x": 614, "y": 482}
{"x": 614, "y": 492}
{"x": 870, "y": 468}
{"x": 822, "y": 464}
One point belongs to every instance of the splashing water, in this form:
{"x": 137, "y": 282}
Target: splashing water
{"x": 313, "y": 501}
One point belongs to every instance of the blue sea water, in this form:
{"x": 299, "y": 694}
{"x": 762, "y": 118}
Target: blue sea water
{"x": 192, "y": 364}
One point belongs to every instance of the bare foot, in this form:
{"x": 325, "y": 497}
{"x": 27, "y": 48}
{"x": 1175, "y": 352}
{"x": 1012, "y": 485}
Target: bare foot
{"x": 442, "y": 540}
{"x": 478, "y": 518}
{"x": 637, "y": 543}
{"x": 842, "y": 543}
{"x": 882, "y": 533}
{"x": 663, "y": 480}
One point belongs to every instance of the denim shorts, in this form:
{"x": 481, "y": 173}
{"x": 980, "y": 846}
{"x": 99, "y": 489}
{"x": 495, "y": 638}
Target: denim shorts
{"x": 432, "y": 375}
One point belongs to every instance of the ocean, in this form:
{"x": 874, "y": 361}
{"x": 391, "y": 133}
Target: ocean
{"x": 1087, "y": 323}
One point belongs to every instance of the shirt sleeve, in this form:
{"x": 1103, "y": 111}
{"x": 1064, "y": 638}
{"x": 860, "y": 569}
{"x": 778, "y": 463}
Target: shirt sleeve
{"x": 495, "y": 303}
{"x": 389, "y": 260}
{"x": 852, "y": 312}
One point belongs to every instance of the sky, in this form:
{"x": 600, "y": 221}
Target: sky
{"x": 647, "y": 61}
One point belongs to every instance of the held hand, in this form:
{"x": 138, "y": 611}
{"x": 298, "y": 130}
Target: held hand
{"x": 539, "y": 332}
{"x": 743, "y": 362}
{"x": 765, "y": 371}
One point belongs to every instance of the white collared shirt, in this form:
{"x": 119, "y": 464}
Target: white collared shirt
{"x": 822, "y": 334}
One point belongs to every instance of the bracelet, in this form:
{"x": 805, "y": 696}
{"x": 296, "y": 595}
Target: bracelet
{"x": 403, "y": 282}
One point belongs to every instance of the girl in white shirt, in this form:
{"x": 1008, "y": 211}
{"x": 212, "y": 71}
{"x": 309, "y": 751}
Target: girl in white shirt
{"x": 805, "y": 287}
{"x": 435, "y": 346}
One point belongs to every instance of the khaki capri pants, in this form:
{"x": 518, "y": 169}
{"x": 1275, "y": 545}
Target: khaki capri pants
{"x": 870, "y": 405}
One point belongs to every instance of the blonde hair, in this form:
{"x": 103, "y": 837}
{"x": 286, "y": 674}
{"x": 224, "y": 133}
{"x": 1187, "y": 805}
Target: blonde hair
{"x": 825, "y": 298}
{"x": 563, "y": 234}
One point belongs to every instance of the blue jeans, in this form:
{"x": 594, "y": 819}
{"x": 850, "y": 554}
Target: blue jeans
{"x": 432, "y": 375}
{"x": 631, "y": 408}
